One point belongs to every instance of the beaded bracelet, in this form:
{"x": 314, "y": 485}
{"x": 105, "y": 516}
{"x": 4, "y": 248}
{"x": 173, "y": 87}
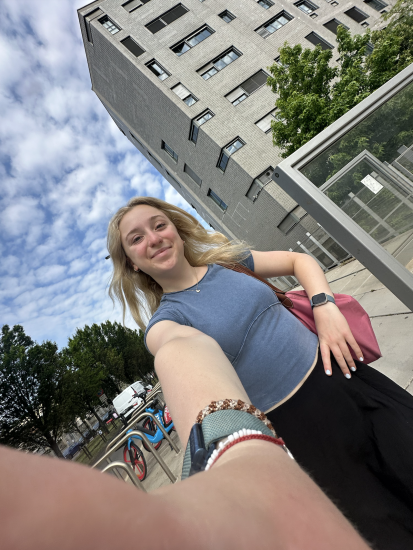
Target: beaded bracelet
{"x": 236, "y": 405}
{"x": 239, "y": 437}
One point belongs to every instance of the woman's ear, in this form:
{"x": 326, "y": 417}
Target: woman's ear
{"x": 132, "y": 265}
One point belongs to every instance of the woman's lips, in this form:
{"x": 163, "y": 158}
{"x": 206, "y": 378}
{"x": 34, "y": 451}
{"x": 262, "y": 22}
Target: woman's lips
{"x": 160, "y": 251}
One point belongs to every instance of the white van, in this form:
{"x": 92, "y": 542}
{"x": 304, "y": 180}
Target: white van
{"x": 127, "y": 401}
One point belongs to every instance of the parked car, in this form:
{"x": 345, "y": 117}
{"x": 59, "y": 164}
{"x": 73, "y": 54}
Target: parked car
{"x": 129, "y": 399}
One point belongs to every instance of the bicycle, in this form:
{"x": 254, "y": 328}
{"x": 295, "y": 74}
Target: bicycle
{"x": 131, "y": 453}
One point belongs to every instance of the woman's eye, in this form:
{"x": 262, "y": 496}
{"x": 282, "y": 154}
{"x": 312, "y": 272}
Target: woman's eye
{"x": 160, "y": 226}
{"x": 136, "y": 239}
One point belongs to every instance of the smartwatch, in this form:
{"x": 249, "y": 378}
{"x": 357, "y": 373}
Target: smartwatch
{"x": 321, "y": 299}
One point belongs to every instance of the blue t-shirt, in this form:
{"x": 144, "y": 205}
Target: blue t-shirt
{"x": 269, "y": 348}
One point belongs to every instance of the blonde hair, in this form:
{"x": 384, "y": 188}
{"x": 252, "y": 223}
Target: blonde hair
{"x": 139, "y": 290}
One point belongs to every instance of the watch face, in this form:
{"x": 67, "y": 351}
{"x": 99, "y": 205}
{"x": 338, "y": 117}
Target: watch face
{"x": 319, "y": 299}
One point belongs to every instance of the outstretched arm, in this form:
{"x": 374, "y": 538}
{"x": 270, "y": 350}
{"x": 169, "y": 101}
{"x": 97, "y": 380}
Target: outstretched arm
{"x": 333, "y": 331}
{"x": 254, "y": 492}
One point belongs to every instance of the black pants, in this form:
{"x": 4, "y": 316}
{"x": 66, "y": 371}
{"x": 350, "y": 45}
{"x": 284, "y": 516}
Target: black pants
{"x": 355, "y": 439}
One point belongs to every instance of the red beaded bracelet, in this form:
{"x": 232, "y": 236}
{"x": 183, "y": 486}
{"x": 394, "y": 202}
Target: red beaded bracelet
{"x": 239, "y": 437}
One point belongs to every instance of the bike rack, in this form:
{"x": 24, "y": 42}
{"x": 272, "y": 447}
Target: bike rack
{"x": 128, "y": 470}
{"x": 155, "y": 453}
{"x": 138, "y": 415}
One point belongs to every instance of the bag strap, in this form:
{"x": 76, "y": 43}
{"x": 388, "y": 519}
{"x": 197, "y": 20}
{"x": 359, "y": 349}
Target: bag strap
{"x": 239, "y": 268}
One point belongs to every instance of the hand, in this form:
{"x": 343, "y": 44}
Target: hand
{"x": 335, "y": 336}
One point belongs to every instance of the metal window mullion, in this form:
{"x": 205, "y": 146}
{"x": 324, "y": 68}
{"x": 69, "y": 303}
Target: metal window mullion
{"x": 335, "y": 260}
{"x": 323, "y": 267}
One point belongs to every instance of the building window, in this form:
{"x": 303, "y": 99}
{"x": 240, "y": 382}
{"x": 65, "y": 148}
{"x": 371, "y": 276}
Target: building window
{"x": 259, "y": 183}
{"x": 264, "y": 123}
{"x": 166, "y": 18}
{"x": 217, "y": 200}
{"x": 315, "y": 39}
{"x": 274, "y": 24}
{"x": 377, "y": 5}
{"x": 184, "y": 94}
{"x": 197, "y": 122}
{"x": 155, "y": 161}
{"x": 158, "y": 70}
{"x": 227, "y": 152}
{"x": 192, "y": 175}
{"x": 219, "y": 63}
{"x": 356, "y": 14}
{"x": 292, "y": 219}
{"x": 109, "y": 25}
{"x": 132, "y": 46}
{"x": 248, "y": 87}
{"x": 192, "y": 40}
{"x": 227, "y": 16}
{"x": 173, "y": 179}
{"x": 306, "y": 6}
{"x": 265, "y": 3}
{"x": 170, "y": 151}
{"x": 333, "y": 25}
{"x": 133, "y": 5}
{"x": 137, "y": 140}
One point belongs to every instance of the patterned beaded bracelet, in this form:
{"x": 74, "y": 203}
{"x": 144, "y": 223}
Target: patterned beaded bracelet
{"x": 239, "y": 437}
{"x": 236, "y": 405}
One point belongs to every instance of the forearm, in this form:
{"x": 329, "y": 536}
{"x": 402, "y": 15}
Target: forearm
{"x": 310, "y": 275}
{"x": 194, "y": 371}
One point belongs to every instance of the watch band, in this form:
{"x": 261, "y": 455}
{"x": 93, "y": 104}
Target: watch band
{"x": 322, "y": 299}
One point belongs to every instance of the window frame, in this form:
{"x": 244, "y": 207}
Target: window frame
{"x": 129, "y": 50}
{"x": 258, "y": 184}
{"x": 187, "y": 97}
{"x": 236, "y": 101}
{"x": 355, "y": 9}
{"x": 165, "y": 23}
{"x": 321, "y": 41}
{"x": 151, "y": 63}
{"x": 295, "y": 219}
{"x": 334, "y": 20}
{"x": 197, "y": 126}
{"x": 268, "y": 4}
{"x": 263, "y": 31}
{"x": 190, "y": 37}
{"x": 220, "y": 57}
{"x": 272, "y": 112}
{"x": 228, "y": 13}
{"x": 106, "y": 19}
{"x": 307, "y": 3}
{"x": 373, "y": 3}
{"x": 226, "y": 154}
{"x": 169, "y": 151}
{"x": 217, "y": 200}
{"x": 191, "y": 174}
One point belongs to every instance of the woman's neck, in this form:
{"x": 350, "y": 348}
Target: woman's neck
{"x": 181, "y": 277}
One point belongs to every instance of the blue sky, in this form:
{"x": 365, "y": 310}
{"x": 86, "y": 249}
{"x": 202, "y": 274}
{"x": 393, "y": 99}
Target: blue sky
{"x": 65, "y": 168}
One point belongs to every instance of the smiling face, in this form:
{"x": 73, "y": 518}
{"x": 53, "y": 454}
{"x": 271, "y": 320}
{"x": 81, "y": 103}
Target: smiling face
{"x": 150, "y": 240}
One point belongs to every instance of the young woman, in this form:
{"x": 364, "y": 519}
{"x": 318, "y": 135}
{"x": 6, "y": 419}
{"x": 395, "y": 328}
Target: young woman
{"x": 351, "y": 430}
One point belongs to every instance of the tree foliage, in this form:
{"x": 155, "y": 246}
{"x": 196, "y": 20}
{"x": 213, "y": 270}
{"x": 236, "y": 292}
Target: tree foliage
{"x": 33, "y": 404}
{"x": 313, "y": 92}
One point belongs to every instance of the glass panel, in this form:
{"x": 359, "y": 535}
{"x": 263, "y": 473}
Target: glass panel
{"x": 209, "y": 73}
{"x": 234, "y": 146}
{"x": 181, "y": 91}
{"x": 155, "y": 26}
{"x": 223, "y": 162}
{"x": 190, "y": 100}
{"x": 356, "y": 14}
{"x": 174, "y": 14}
{"x": 199, "y": 37}
{"x": 368, "y": 172}
{"x": 194, "y": 133}
{"x": 181, "y": 48}
{"x": 238, "y": 100}
{"x": 376, "y": 4}
{"x": 254, "y": 82}
{"x": 305, "y": 8}
{"x": 132, "y": 46}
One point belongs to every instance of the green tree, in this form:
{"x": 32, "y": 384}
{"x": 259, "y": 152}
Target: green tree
{"x": 313, "y": 92}
{"x": 34, "y": 409}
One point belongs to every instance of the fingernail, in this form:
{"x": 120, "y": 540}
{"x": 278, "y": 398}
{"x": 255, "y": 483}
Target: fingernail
{"x": 353, "y": 368}
{"x": 347, "y": 375}
{"x": 361, "y": 359}
{"x": 328, "y": 372}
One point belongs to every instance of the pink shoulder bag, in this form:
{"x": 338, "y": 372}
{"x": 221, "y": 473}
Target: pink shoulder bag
{"x": 297, "y": 302}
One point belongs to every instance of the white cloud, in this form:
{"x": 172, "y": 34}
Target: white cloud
{"x": 59, "y": 182}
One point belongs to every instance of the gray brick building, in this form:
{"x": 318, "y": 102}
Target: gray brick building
{"x": 185, "y": 83}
